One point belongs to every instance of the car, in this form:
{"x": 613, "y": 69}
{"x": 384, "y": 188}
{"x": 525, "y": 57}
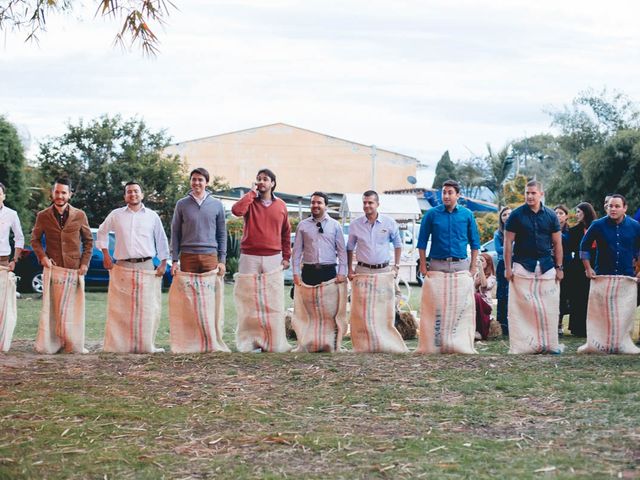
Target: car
{"x": 29, "y": 270}
{"x": 490, "y": 248}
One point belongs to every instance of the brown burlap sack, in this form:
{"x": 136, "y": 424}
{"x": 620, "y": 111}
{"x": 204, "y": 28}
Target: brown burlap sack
{"x": 62, "y": 316}
{"x": 320, "y": 316}
{"x": 8, "y": 309}
{"x": 611, "y": 315}
{"x": 134, "y": 305}
{"x": 196, "y": 313}
{"x": 448, "y": 315}
{"x": 534, "y": 304}
{"x": 259, "y": 300}
{"x": 373, "y": 313}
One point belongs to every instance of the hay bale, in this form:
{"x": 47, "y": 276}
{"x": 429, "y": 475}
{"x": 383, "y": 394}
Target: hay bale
{"x": 495, "y": 330}
{"x": 289, "y": 331}
{"x": 406, "y": 325}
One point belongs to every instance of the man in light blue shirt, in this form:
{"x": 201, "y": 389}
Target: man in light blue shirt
{"x": 318, "y": 244}
{"x": 452, "y": 228}
{"x": 370, "y": 236}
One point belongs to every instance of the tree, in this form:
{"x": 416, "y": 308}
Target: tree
{"x": 99, "y": 157}
{"x": 12, "y": 164}
{"x": 514, "y": 191}
{"x": 445, "y": 170}
{"x": 472, "y": 175}
{"x": 500, "y": 165}
{"x": 136, "y": 15}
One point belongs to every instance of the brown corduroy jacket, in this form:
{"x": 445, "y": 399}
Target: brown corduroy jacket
{"x": 62, "y": 245}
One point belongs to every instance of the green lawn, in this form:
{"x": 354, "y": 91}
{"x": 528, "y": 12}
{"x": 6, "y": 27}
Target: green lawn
{"x": 313, "y": 415}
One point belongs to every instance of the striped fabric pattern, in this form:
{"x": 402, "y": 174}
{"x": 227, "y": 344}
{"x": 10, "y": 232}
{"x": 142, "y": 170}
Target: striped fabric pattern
{"x": 611, "y": 315}
{"x": 320, "y": 316}
{"x": 8, "y": 308}
{"x": 134, "y": 307}
{"x": 373, "y": 314}
{"x": 447, "y": 316}
{"x": 534, "y": 305}
{"x": 196, "y": 313}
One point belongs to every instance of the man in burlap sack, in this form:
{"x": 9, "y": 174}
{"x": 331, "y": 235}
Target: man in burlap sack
{"x": 134, "y": 300}
{"x": 9, "y": 222}
{"x": 319, "y": 257}
{"x": 369, "y": 238}
{"x": 65, "y": 258}
{"x": 447, "y": 317}
{"x": 533, "y": 242}
{"x": 265, "y": 251}
{"x": 199, "y": 250}
{"x": 612, "y": 303}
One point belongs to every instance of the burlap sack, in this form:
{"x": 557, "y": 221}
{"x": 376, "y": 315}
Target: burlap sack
{"x": 196, "y": 313}
{"x": 611, "y": 315}
{"x": 320, "y": 316}
{"x": 448, "y": 314}
{"x": 534, "y": 304}
{"x": 8, "y": 310}
{"x": 373, "y": 314}
{"x": 134, "y": 305}
{"x": 62, "y": 316}
{"x": 259, "y": 302}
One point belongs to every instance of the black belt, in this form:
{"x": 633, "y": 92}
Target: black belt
{"x": 374, "y": 267}
{"x": 319, "y": 266}
{"x": 4, "y": 258}
{"x": 449, "y": 259}
{"x": 136, "y": 260}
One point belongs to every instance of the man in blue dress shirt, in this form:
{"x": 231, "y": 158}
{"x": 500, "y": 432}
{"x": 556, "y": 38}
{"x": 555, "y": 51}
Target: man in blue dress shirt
{"x": 452, "y": 228}
{"x": 319, "y": 243}
{"x": 617, "y": 238}
{"x": 371, "y": 234}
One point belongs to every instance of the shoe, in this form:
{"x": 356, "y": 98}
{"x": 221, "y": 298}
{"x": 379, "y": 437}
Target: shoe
{"x": 560, "y": 333}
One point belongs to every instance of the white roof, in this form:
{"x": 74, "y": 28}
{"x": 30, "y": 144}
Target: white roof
{"x": 399, "y": 207}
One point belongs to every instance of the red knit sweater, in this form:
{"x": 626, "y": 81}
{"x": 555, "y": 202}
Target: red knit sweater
{"x": 266, "y": 229}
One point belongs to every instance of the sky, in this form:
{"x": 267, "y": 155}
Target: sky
{"x": 416, "y": 77}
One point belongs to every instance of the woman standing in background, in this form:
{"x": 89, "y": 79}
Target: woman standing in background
{"x": 562, "y": 212}
{"x": 502, "y": 291}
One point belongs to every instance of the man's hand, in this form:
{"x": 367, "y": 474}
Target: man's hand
{"x": 222, "y": 269}
{"x": 341, "y": 279}
{"x": 107, "y": 262}
{"x": 423, "y": 269}
{"x": 395, "y": 271}
{"x": 559, "y": 275}
{"x": 508, "y": 274}
{"x": 12, "y": 265}
{"x": 473, "y": 270}
{"x": 175, "y": 268}
{"x": 590, "y": 273}
{"x": 350, "y": 275}
{"x": 47, "y": 262}
{"x": 254, "y": 187}
{"x": 83, "y": 270}
{"x": 296, "y": 280}
{"x": 285, "y": 264}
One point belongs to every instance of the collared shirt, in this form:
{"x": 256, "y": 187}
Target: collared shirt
{"x": 313, "y": 247}
{"x": 617, "y": 244}
{"x": 138, "y": 234}
{"x": 9, "y": 221}
{"x": 533, "y": 231}
{"x": 450, "y": 232}
{"x": 372, "y": 240}
{"x": 61, "y": 217}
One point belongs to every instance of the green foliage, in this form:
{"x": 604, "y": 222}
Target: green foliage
{"x": 538, "y": 157}
{"x": 100, "y": 156}
{"x": 513, "y": 191}
{"x": 235, "y": 226}
{"x": 445, "y": 170}
{"x": 487, "y": 225}
{"x": 500, "y": 165}
{"x": 12, "y": 164}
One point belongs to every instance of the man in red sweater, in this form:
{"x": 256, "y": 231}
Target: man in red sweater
{"x": 266, "y": 238}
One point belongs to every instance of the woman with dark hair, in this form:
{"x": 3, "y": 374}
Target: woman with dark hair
{"x": 579, "y": 290}
{"x": 502, "y": 291}
{"x": 562, "y": 212}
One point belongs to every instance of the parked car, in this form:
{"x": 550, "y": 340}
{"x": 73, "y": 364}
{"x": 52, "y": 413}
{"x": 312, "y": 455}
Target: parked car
{"x": 30, "y": 271}
{"x": 489, "y": 247}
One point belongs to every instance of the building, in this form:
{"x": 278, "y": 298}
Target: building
{"x": 303, "y": 160}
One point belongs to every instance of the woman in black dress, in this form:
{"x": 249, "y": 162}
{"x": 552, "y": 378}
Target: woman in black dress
{"x": 562, "y": 212}
{"x": 502, "y": 291}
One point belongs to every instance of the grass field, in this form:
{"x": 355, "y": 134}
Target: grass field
{"x": 313, "y": 415}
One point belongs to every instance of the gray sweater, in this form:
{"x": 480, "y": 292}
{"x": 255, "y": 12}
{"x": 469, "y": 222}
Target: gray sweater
{"x": 199, "y": 228}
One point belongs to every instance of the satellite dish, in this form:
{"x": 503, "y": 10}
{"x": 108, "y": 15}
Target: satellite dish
{"x": 412, "y": 180}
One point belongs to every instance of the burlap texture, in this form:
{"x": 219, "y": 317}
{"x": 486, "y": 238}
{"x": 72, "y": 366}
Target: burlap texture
{"x": 8, "y": 308}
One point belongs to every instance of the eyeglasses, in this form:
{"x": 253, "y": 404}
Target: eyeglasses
{"x": 319, "y": 225}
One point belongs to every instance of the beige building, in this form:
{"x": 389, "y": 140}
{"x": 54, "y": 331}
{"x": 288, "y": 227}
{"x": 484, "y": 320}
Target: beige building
{"x": 302, "y": 160}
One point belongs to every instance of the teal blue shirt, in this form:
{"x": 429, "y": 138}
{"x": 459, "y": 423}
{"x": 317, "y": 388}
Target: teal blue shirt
{"x": 450, "y": 232}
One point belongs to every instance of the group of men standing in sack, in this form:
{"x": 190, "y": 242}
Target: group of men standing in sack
{"x": 532, "y": 247}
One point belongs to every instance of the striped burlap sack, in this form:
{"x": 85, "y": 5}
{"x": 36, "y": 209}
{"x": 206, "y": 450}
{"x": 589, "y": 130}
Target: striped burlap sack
{"x": 134, "y": 305}
{"x": 534, "y": 304}
{"x": 611, "y": 315}
{"x": 8, "y": 311}
{"x": 373, "y": 314}
{"x": 448, "y": 314}
{"x": 259, "y": 300}
{"x": 320, "y": 316}
{"x": 62, "y": 316}
{"x": 196, "y": 313}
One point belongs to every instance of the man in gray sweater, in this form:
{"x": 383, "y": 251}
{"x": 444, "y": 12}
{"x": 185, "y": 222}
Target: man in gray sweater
{"x": 198, "y": 229}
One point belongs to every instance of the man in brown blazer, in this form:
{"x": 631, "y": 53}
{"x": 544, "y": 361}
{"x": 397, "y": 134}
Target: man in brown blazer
{"x": 65, "y": 228}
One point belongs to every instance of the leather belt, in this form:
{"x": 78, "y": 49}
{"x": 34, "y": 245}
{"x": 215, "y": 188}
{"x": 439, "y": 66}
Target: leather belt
{"x": 136, "y": 260}
{"x": 319, "y": 266}
{"x": 449, "y": 259}
{"x": 374, "y": 267}
{"x": 4, "y": 258}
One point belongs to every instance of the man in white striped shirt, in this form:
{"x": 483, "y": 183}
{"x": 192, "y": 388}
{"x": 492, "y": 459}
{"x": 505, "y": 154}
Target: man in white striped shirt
{"x": 9, "y": 221}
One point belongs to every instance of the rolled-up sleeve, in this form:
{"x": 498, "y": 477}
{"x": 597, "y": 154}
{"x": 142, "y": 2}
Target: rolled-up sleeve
{"x": 395, "y": 235}
{"x": 585, "y": 243}
{"x": 474, "y": 236}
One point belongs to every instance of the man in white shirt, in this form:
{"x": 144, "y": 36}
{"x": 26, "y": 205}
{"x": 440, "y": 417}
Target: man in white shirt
{"x": 139, "y": 234}
{"x": 9, "y": 221}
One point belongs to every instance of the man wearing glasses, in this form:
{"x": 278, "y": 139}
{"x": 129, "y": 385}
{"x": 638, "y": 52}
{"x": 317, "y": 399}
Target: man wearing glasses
{"x": 318, "y": 245}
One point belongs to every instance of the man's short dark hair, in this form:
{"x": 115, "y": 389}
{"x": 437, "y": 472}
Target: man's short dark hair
{"x": 323, "y": 195}
{"x": 200, "y": 171}
{"x": 535, "y": 183}
{"x": 451, "y": 183}
{"x": 621, "y": 197}
{"x": 63, "y": 181}
{"x": 4, "y": 190}
{"x": 371, "y": 193}
{"x": 131, "y": 183}
{"x": 269, "y": 174}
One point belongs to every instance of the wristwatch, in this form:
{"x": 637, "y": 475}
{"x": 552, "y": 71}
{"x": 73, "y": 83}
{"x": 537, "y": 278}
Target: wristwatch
{"x": 559, "y": 267}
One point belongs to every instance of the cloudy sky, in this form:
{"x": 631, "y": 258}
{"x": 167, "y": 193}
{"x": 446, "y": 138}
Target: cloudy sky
{"x": 417, "y": 77}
